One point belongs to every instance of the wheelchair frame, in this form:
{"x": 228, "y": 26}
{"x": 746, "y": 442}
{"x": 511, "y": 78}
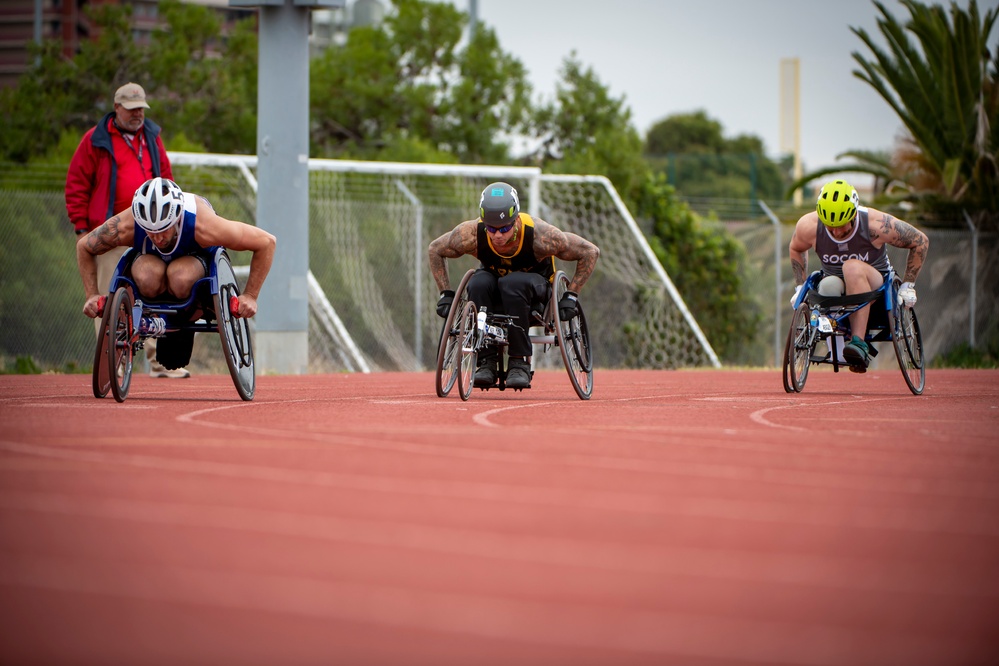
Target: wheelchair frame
{"x": 822, "y": 318}
{"x": 127, "y": 322}
{"x": 467, "y": 331}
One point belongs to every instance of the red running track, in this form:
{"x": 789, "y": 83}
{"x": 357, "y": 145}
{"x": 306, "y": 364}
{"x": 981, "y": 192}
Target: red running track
{"x": 693, "y": 517}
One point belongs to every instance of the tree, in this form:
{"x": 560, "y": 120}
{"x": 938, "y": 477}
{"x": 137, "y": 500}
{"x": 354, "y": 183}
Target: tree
{"x": 211, "y": 100}
{"x": 873, "y": 162}
{"x": 706, "y": 265}
{"x": 57, "y": 95}
{"x": 585, "y": 130}
{"x": 946, "y": 93}
{"x": 685, "y": 133}
{"x": 405, "y": 90}
{"x": 700, "y": 162}
{"x": 203, "y": 84}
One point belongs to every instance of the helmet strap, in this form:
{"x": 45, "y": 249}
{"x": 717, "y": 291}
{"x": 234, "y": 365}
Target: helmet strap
{"x": 180, "y": 229}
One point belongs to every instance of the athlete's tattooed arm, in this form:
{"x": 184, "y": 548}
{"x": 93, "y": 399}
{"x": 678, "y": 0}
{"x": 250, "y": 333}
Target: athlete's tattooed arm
{"x": 104, "y": 237}
{"x": 902, "y": 234}
{"x": 109, "y": 235}
{"x": 798, "y": 267}
{"x": 455, "y": 243}
{"x": 550, "y": 241}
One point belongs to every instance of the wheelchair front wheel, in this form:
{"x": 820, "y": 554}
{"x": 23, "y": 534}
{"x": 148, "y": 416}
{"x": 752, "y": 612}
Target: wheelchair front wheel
{"x": 234, "y": 331}
{"x": 908, "y": 343}
{"x": 120, "y": 342}
{"x": 469, "y": 352}
{"x": 449, "y": 348}
{"x": 573, "y": 338}
{"x": 798, "y": 350}
{"x": 101, "y": 373}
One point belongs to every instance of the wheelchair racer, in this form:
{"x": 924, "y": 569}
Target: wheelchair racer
{"x": 175, "y": 235}
{"x": 516, "y": 253}
{"x": 850, "y": 241}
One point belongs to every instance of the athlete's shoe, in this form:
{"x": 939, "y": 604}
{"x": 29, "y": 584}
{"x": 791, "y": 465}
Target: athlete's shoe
{"x": 157, "y": 371}
{"x": 518, "y": 374}
{"x": 857, "y": 354}
{"x": 485, "y": 375}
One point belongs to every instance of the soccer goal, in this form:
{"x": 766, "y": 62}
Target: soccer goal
{"x": 371, "y": 300}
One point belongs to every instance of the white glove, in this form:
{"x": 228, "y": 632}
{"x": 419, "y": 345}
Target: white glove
{"x": 797, "y": 290}
{"x": 907, "y": 294}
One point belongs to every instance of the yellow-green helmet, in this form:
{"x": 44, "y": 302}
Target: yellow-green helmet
{"x": 837, "y": 203}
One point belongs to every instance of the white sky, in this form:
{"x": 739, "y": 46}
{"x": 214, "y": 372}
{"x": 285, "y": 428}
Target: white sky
{"x": 722, "y": 56}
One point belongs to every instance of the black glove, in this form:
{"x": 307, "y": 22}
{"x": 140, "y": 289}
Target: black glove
{"x": 567, "y": 306}
{"x": 444, "y": 303}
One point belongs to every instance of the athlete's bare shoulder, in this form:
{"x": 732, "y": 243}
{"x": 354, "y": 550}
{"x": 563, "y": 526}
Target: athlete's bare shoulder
{"x": 458, "y": 242}
{"x": 805, "y": 229}
{"x": 549, "y": 240}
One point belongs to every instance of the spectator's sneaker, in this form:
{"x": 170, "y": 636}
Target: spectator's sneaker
{"x": 157, "y": 371}
{"x": 485, "y": 375}
{"x": 518, "y": 374}
{"x": 857, "y": 355}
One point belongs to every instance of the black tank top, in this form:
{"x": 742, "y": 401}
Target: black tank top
{"x": 522, "y": 260}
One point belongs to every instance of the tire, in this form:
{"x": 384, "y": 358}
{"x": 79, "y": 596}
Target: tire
{"x": 448, "y": 356}
{"x": 233, "y": 331}
{"x": 573, "y": 339}
{"x": 121, "y": 342}
{"x": 102, "y": 374}
{"x": 801, "y": 341}
{"x": 469, "y": 354}
{"x": 908, "y": 343}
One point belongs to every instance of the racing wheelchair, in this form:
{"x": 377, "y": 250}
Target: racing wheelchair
{"x": 127, "y": 322}
{"x": 468, "y": 331}
{"x": 826, "y": 319}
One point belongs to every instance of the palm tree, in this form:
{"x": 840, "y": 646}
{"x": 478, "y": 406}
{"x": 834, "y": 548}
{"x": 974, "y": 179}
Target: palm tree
{"x": 874, "y": 163}
{"x": 945, "y": 89}
{"x": 944, "y": 94}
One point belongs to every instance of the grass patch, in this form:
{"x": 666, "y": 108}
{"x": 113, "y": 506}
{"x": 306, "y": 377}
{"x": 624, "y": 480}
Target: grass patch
{"x": 967, "y": 357}
{"x": 26, "y": 365}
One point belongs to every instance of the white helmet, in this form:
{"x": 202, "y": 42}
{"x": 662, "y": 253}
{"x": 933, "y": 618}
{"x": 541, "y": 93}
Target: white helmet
{"x": 158, "y": 204}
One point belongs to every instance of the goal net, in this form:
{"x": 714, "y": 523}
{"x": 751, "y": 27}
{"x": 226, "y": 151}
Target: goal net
{"x": 372, "y": 299}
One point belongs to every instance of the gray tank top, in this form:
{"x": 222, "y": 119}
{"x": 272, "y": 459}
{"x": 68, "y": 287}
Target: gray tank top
{"x": 832, "y": 253}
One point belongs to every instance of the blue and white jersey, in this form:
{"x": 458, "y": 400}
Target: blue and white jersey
{"x": 185, "y": 245}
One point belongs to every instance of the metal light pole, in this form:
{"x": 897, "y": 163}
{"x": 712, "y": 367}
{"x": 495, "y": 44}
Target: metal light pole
{"x": 282, "y": 342}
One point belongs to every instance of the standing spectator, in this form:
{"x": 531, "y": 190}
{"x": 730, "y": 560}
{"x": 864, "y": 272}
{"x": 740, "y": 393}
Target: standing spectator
{"x": 114, "y": 158}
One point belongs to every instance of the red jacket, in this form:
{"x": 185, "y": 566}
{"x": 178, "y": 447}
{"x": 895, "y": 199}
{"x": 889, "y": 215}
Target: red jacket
{"x": 92, "y": 178}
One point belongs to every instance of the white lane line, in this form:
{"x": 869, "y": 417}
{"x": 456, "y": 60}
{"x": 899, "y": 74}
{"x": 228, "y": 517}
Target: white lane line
{"x": 759, "y": 415}
{"x": 88, "y": 405}
{"x": 483, "y": 418}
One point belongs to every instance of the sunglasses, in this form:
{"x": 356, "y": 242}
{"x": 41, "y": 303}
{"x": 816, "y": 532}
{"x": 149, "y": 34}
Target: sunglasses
{"x": 499, "y": 230}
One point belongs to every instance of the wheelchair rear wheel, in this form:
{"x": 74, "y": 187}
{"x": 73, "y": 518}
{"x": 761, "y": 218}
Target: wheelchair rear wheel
{"x": 234, "y": 331}
{"x": 573, "y": 338}
{"x": 908, "y": 342}
{"x": 120, "y": 342}
{"x": 798, "y": 350}
{"x": 468, "y": 353}
{"x": 449, "y": 348}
